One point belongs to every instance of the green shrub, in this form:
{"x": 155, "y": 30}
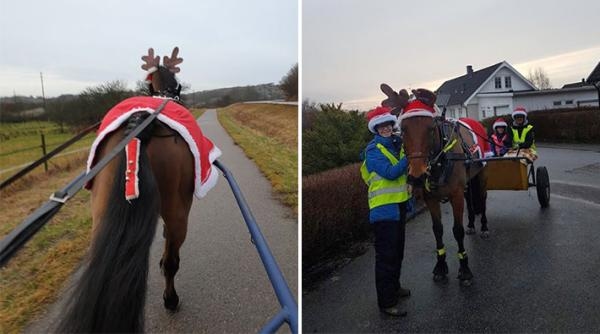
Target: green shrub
{"x": 335, "y": 213}
{"x": 333, "y": 138}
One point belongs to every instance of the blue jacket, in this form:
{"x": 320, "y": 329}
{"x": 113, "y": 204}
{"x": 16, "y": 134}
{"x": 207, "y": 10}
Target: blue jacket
{"x": 381, "y": 165}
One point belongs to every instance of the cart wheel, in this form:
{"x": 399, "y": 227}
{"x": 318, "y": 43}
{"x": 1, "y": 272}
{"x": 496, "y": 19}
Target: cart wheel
{"x": 543, "y": 186}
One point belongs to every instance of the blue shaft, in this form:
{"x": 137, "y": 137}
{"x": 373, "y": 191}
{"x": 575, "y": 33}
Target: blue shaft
{"x": 282, "y": 290}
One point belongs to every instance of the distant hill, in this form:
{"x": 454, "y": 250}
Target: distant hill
{"x": 225, "y": 96}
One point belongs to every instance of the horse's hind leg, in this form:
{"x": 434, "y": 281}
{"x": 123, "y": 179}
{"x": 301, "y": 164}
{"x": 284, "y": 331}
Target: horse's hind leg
{"x": 175, "y": 230}
{"x": 440, "y": 271}
{"x": 471, "y": 214}
{"x": 485, "y": 233}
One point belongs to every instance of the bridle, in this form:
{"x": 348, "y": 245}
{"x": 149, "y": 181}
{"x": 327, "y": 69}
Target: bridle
{"x": 439, "y": 145}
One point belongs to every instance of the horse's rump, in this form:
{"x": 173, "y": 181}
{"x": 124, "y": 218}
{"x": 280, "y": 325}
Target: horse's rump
{"x": 175, "y": 117}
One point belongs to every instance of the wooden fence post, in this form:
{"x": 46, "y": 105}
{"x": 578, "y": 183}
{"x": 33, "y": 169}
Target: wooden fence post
{"x": 44, "y": 152}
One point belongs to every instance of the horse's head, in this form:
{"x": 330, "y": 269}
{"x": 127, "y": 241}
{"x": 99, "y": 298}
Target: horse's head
{"x": 417, "y": 134}
{"x": 417, "y": 125}
{"x": 161, "y": 78}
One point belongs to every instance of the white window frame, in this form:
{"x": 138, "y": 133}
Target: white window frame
{"x": 498, "y": 82}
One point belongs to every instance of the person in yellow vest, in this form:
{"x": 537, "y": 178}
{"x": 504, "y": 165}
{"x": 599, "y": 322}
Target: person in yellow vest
{"x": 522, "y": 133}
{"x": 384, "y": 170}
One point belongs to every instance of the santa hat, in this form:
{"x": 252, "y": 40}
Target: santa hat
{"x": 417, "y": 108}
{"x": 498, "y": 123}
{"x": 378, "y": 116}
{"x": 519, "y": 111}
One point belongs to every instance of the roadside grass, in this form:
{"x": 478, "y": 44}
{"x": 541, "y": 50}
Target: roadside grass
{"x": 268, "y": 134}
{"x": 32, "y": 279}
{"x": 197, "y": 112}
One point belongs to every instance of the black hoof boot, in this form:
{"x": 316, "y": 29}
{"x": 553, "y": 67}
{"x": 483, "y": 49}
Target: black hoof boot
{"x": 440, "y": 271}
{"x": 464, "y": 273}
{"x": 470, "y": 230}
{"x": 485, "y": 234}
{"x": 171, "y": 303}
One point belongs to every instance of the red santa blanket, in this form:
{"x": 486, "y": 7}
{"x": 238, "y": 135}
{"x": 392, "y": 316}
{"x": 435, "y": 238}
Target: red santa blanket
{"x": 177, "y": 118}
{"x": 481, "y": 148}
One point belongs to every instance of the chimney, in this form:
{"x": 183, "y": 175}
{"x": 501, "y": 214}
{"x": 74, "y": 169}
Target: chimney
{"x": 582, "y": 79}
{"x": 469, "y": 70}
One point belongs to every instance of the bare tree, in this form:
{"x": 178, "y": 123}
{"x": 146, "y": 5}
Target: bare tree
{"x": 289, "y": 84}
{"x": 539, "y": 78}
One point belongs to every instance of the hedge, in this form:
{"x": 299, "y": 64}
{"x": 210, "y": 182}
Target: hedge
{"x": 581, "y": 125}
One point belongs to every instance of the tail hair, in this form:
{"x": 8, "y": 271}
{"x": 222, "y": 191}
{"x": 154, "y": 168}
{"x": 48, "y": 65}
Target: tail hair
{"x": 110, "y": 295}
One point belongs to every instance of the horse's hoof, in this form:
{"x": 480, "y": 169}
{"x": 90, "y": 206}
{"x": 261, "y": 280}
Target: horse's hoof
{"x": 466, "y": 282}
{"x": 440, "y": 278}
{"x": 171, "y": 303}
{"x": 485, "y": 234}
{"x": 470, "y": 230}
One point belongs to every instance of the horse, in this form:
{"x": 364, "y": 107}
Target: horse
{"x": 438, "y": 152}
{"x": 110, "y": 295}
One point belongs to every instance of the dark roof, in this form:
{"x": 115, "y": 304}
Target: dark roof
{"x": 464, "y": 86}
{"x": 576, "y": 84}
{"x": 595, "y": 75}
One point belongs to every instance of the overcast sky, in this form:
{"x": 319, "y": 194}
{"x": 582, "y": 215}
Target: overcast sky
{"x": 77, "y": 44}
{"x": 351, "y": 46}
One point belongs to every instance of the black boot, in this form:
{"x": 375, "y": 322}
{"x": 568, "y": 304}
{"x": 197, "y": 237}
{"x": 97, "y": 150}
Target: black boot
{"x": 440, "y": 271}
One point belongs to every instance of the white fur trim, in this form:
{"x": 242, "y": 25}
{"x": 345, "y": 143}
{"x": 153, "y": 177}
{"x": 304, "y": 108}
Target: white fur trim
{"x": 152, "y": 69}
{"x": 497, "y": 124}
{"x": 201, "y": 189}
{"x": 519, "y": 112}
{"x": 110, "y": 128}
{"x": 379, "y": 119}
{"x": 417, "y": 112}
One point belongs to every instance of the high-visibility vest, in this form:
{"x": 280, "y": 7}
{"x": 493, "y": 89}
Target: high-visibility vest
{"x": 521, "y": 139}
{"x": 381, "y": 190}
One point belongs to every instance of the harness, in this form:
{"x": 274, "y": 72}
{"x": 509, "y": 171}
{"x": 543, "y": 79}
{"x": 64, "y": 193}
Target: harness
{"x": 440, "y": 159}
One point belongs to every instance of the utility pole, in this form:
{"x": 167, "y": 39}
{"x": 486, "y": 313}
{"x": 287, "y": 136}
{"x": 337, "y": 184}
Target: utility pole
{"x": 43, "y": 95}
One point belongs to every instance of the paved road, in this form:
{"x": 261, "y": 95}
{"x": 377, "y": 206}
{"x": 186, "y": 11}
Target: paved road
{"x": 221, "y": 283}
{"x": 539, "y": 272}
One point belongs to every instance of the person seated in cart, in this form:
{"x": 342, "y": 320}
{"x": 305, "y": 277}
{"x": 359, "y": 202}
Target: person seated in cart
{"x": 385, "y": 172}
{"x": 523, "y": 141}
{"x": 500, "y": 140}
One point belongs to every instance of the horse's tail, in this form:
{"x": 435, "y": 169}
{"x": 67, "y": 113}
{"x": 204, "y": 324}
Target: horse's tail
{"x": 476, "y": 193}
{"x": 110, "y": 295}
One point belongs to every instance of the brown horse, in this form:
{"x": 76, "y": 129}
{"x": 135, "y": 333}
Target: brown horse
{"x": 437, "y": 151}
{"x": 110, "y": 295}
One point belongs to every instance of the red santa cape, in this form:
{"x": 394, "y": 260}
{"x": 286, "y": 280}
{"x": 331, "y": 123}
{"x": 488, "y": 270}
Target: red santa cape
{"x": 177, "y": 118}
{"x": 482, "y": 147}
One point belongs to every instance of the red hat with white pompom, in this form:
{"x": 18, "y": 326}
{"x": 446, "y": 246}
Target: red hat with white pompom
{"x": 379, "y": 116}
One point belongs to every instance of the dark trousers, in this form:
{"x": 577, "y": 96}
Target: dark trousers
{"x": 389, "y": 252}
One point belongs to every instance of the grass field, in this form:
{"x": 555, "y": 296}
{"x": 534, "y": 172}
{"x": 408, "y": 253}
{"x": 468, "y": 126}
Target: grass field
{"x": 31, "y": 280}
{"x": 268, "y": 134}
{"x": 20, "y": 144}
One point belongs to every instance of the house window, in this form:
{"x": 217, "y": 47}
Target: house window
{"x": 498, "y": 82}
{"x": 507, "y": 82}
{"x": 557, "y": 103}
{"x": 569, "y": 102}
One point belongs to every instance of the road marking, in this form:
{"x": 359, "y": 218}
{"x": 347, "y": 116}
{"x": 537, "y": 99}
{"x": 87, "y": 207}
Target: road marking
{"x": 583, "y": 201}
{"x": 576, "y": 184}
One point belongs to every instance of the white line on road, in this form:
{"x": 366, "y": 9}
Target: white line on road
{"x": 594, "y": 204}
{"x": 576, "y": 184}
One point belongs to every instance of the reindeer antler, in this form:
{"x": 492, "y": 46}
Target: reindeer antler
{"x": 150, "y": 60}
{"x": 171, "y": 63}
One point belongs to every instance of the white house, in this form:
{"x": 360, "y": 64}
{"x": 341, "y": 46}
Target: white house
{"x": 497, "y": 89}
